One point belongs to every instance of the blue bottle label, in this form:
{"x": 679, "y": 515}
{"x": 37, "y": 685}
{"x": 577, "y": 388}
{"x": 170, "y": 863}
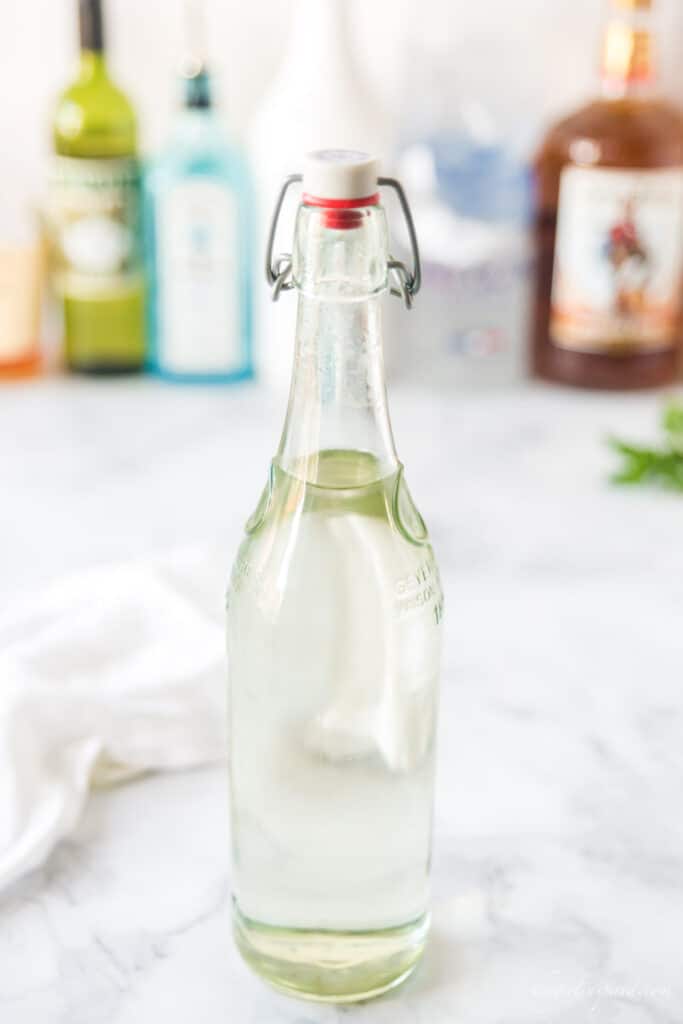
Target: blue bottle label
{"x": 198, "y": 281}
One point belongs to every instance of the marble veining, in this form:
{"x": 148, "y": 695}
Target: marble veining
{"x": 558, "y": 861}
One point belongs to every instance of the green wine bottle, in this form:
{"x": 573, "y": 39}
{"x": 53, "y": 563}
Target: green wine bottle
{"x": 95, "y": 216}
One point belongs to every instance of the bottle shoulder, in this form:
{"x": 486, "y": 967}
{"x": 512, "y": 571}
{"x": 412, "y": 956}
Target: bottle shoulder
{"x": 623, "y": 133}
{"x": 303, "y": 538}
{"x": 210, "y": 157}
{"x": 94, "y": 119}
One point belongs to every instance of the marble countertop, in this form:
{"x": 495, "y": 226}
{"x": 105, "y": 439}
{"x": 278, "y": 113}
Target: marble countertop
{"x": 558, "y": 865}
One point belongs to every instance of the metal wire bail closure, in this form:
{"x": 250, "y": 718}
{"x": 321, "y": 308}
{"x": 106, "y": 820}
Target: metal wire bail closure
{"x": 407, "y": 282}
{"x": 277, "y": 273}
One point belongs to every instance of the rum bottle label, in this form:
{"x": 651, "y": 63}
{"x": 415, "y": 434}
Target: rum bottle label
{"x": 618, "y": 266}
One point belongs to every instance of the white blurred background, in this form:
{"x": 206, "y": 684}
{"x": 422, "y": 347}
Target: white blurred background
{"x": 526, "y": 60}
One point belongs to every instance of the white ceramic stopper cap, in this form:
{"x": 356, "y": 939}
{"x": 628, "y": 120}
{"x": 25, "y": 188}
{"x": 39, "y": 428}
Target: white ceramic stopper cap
{"x": 340, "y": 174}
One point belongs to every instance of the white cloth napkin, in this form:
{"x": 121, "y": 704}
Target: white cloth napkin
{"x": 104, "y": 675}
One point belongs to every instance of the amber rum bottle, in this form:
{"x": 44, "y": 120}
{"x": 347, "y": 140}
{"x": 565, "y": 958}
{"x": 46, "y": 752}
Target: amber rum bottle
{"x": 609, "y": 224}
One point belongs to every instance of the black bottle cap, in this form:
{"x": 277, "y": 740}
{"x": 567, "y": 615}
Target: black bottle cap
{"x": 91, "y": 25}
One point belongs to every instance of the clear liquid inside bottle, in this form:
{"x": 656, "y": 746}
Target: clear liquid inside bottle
{"x": 334, "y": 641}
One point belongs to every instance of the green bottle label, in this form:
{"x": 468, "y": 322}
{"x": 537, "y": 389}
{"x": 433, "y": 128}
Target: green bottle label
{"x": 95, "y": 226}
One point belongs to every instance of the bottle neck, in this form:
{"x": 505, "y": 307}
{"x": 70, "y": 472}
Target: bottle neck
{"x": 195, "y": 123}
{"x": 196, "y": 80}
{"x": 338, "y": 397}
{"x": 337, "y": 400}
{"x": 92, "y": 66}
{"x": 197, "y": 129}
{"x": 628, "y": 55}
{"x": 91, "y": 26}
{"x": 196, "y": 91}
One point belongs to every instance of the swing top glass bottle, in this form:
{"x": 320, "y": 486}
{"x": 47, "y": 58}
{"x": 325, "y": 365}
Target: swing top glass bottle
{"x": 334, "y": 631}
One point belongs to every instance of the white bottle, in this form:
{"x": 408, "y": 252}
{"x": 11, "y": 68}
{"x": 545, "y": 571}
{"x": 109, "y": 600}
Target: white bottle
{"x": 318, "y": 100}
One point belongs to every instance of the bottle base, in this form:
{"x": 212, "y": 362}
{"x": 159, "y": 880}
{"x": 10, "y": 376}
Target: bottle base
{"x": 327, "y": 966}
{"x": 602, "y": 372}
{"x": 104, "y": 369}
{"x": 21, "y": 369}
{"x": 174, "y": 377}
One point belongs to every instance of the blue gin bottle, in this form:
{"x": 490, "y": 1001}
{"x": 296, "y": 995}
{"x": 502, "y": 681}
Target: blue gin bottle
{"x": 198, "y": 232}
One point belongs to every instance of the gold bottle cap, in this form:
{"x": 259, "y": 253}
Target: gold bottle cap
{"x": 633, "y": 5}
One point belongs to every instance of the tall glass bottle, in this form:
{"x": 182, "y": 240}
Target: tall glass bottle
{"x": 609, "y": 224}
{"x": 94, "y": 214}
{"x": 334, "y": 635}
{"x": 198, "y": 218}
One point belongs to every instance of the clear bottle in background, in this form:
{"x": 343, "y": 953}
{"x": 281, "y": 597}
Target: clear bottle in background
{"x": 94, "y": 214}
{"x": 198, "y": 219}
{"x": 334, "y": 636}
{"x": 463, "y": 160}
{"x": 470, "y": 328}
{"x": 22, "y": 265}
{"x": 318, "y": 99}
{"x": 609, "y": 224}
